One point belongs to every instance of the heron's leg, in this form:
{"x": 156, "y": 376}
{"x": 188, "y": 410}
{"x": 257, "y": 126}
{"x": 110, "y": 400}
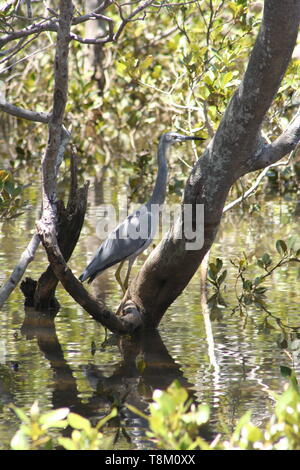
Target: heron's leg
{"x": 118, "y": 275}
{"x": 126, "y": 282}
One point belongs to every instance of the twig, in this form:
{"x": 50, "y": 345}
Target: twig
{"x": 130, "y": 17}
{"x": 37, "y": 28}
{"x": 254, "y": 186}
{"x": 28, "y": 56}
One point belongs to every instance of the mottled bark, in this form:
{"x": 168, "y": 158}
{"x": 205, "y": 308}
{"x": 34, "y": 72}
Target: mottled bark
{"x": 70, "y": 221}
{"x": 235, "y": 150}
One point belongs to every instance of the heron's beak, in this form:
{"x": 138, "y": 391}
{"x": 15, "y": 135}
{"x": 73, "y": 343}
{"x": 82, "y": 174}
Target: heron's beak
{"x": 187, "y": 137}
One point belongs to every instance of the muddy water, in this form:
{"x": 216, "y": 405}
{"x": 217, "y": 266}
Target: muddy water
{"x": 228, "y": 359}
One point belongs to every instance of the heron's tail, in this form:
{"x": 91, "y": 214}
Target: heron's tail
{"x": 90, "y": 274}
{"x": 87, "y": 275}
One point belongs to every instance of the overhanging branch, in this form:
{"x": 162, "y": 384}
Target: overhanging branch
{"x": 22, "y": 113}
{"x": 284, "y": 144}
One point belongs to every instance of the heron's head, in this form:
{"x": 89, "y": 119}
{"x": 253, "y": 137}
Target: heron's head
{"x": 170, "y": 138}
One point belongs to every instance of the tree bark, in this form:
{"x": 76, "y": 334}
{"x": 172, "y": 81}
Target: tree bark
{"x": 69, "y": 224}
{"x": 236, "y": 149}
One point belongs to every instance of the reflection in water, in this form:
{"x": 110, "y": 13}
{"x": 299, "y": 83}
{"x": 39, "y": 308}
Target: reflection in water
{"x": 230, "y": 360}
{"x": 145, "y": 366}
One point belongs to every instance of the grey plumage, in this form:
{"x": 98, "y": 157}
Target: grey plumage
{"x": 135, "y": 233}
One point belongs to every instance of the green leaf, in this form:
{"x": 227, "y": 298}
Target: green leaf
{"x": 21, "y": 414}
{"x": 258, "y": 280}
{"x": 121, "y": 69}
{"x": 245, "y": 419}
{"x": 20, "y": 441}
{"x": 219, "y": 264}
{"x": 247, "y": 284}
{"x": 260, "y": 290}
{"x": 213, "y": 270}
{"x": 251, "y": 433}
{"x": 54, "y": 418}
{"x": 281, "y": 247}
{"x": 266, "y": 259}
{"x": 78, "y": 422}
{"x": 285, "y": 371}
{"x": 146, "y": 63}
{"x": 226, "y": 78}
{"x": 222, "y": 277}
{"x": 67, "y": 443}
{"x": 104, "y": 420}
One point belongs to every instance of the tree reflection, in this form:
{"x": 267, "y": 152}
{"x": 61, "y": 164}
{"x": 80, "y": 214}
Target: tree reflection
{"x": 145, "y": 366}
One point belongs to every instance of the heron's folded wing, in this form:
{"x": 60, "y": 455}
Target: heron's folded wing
{"x": 130, "y": 237}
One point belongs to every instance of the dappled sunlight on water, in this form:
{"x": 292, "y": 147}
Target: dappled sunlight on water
{"x": 229, "y": 359}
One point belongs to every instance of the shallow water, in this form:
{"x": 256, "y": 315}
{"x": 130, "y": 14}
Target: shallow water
{"x": 228, "y": 360}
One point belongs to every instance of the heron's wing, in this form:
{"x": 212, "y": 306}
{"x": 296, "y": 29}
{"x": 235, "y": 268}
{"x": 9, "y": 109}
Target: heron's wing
{"x": 129, "y": 238}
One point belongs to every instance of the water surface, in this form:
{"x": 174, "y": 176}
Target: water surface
{"x": 228, "y": 359}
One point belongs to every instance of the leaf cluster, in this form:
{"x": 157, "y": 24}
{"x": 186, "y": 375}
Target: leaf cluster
{"x": 175, "y": 424}
{"x": 137, "y": 91}
{"x": 37, "y": 430}
{"x": 174, "y": 420}
{"x": 11, "y": 198}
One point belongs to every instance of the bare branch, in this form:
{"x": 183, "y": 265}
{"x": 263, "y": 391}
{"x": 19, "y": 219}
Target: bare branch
{"x": 254, "y": 186}
{"x": 26, "y": 258}
{"x": 99, "y": 40}
{"x": 29, "y": 9}
{"x": 284, "y": 144}
{"x": 22, "y": 113}
{"x": 56, "y": 119}
{"x": 135, "y": 12}
{"x": 36, "y": 28}
{"x": 21, "y": 45}
{"x": 95, "y": 14}
{"x": 126, "y": 324}
{"x": 166, "y": 4}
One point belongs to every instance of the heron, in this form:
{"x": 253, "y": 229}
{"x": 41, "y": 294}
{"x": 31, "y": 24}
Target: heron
{"x": 132, "y": 236}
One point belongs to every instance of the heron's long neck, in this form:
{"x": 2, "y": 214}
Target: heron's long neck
{"x": 159, "y": 191}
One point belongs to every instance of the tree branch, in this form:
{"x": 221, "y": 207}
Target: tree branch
{"x": 22, "y": 113}
{"x": 254, "y": 186}
{"x": 135, "y": 12}
{"x": 285, "y": 143}
{"x": 37, "y": 28}
{"x": 26, "y": 258}
{"x": 126, "y": 324}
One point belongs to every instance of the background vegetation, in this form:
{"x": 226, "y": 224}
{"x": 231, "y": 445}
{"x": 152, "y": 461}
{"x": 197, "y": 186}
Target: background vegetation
{"x": 174, "y": 68}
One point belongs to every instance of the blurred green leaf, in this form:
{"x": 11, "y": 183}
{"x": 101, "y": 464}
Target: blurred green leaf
{"x": 281, "y": 247}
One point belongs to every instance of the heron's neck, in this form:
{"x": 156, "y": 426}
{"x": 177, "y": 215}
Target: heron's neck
{"x": 159, "y": 191}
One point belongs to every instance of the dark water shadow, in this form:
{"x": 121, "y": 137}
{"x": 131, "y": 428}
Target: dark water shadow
{"x": 145, "y": 366}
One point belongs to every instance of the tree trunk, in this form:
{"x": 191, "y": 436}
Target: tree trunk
{"x": 236, "y": 149}
{"x": 41, "y": 294}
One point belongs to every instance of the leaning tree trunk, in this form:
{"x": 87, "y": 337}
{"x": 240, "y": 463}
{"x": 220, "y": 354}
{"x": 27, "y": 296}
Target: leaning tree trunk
{"x": 41, "y": 294}
{"x": 236, "y": 149}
